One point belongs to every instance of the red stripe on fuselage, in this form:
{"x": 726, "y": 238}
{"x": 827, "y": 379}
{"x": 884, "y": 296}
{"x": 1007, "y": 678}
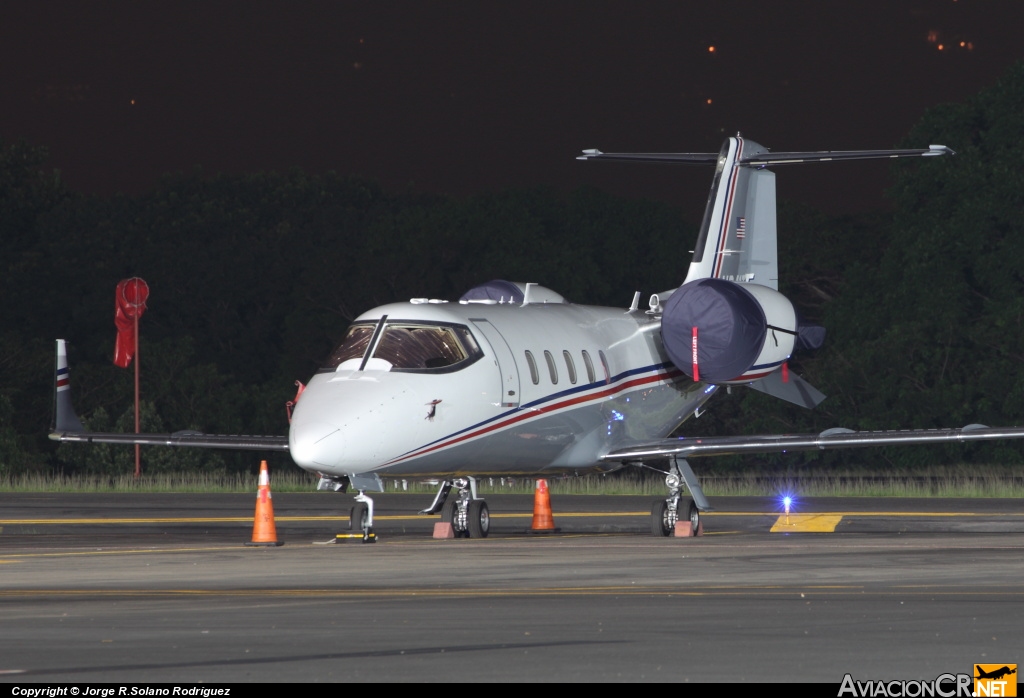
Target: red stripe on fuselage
{"x": 538, "y": 411}
{"x": 723, "y": 230}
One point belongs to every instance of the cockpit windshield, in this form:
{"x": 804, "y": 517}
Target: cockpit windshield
{"x": 405, "y": 346}
{"x": 354, "y": 346}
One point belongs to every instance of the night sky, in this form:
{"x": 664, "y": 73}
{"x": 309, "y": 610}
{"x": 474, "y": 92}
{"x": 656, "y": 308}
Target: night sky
{"x": 462, "y": 97}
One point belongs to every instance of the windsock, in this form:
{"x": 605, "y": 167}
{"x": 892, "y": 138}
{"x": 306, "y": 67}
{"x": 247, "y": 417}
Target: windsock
{"x": 129, "y": 304}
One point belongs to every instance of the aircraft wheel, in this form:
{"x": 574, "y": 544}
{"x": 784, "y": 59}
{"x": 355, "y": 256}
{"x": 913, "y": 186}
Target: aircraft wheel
{"x": 659, "y": 519}
{"x": 451, "y": 505}
{"x": 360, "y": 515}
{"x": 450, "y": 514}
{"x": 479, "y": 519}
{"x": 694, "y": 515}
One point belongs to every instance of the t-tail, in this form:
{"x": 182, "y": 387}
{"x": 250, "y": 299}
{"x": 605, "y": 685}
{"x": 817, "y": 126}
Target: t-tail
{"x": 728, "y": 323}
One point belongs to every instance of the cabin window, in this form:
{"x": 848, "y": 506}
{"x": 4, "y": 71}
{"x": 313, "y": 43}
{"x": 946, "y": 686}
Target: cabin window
{"x": 552, "y": 369}
{"x": 604, "y": 364}
{"x": 534, "y": 373}
{"x": 409, "y": 346}
{"x": 590, "y": 367}
{"x": 570, "y": 367}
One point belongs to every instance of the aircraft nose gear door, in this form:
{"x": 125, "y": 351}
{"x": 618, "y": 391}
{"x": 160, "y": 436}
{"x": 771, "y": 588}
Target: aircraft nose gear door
{"x": 509, "y": 396}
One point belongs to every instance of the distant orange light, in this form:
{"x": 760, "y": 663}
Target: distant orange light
{"x": 933, "y": 36}
{"x": 709, "y": 101}
{"x": 711, "y": 49}
{"x": 133, "y": 101}
{"x": 941, "y": 47}
{"x": 962, "y": 44}
{"x": 970, "y": 46}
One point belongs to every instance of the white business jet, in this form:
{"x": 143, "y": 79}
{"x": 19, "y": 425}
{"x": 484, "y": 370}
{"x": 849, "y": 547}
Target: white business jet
{"x": 511, "y": 379}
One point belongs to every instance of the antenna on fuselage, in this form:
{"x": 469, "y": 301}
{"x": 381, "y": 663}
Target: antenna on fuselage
{"x": 636, "y": 302}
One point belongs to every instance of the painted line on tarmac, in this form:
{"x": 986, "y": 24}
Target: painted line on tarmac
{"x": 526, "y": 515}
{"x": 17, "y": 557}
{"x": 426, "y": 592}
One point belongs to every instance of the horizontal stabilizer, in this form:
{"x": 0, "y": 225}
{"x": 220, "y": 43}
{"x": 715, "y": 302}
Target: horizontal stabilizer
{"x": 833, "y": 438}
{"x": 678, "y": 158}
{"x": 794, "y": 389}
{"x": 768, "y": 158}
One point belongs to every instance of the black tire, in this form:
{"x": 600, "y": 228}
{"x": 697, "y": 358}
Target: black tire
{"x": 479, "y": 519}
{"x": 448, "y": 509}
{"x": 694, "y": 515}
{"x": 659, "y": 519}
{"x": 360, "y": 515}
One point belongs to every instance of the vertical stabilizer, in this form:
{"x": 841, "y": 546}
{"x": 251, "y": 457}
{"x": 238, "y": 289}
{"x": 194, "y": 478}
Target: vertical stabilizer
{"x": 64, "y": 417}
{"x": 737, "y": 240}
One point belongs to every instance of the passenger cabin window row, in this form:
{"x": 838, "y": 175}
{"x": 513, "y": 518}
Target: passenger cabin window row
{"x": 570, "y": 367}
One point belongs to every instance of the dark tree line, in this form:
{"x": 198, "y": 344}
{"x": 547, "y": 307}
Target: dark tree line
{"x": 254, "y": 278}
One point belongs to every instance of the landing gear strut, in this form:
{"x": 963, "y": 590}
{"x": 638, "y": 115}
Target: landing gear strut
{"x": 361, "y": 520}
{"x": 466, "y": 512}
{"x": 666, "y": 512}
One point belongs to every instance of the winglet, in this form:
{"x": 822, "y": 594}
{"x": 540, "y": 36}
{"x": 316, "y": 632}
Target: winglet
{"x": 64, "y": 417}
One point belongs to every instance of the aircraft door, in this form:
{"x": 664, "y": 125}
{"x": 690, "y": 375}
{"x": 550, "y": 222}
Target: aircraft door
{"x": 506, "y": 363}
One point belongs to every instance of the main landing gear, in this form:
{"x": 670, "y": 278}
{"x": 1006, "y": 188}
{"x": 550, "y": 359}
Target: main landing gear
{"x": 465, "y": 511}
{"x": 666, "y": 512}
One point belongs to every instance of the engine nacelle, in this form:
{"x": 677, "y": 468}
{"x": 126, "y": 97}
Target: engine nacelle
{"x": 731, "y": 332}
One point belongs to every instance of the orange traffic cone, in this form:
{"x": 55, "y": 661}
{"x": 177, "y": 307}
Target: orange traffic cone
{"x": 264, "y": 532}
{"x": 543, "y": 522}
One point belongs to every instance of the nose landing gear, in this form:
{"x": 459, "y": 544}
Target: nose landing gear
{"x": 361, "y": 520}
{"x": 466, "y": 512}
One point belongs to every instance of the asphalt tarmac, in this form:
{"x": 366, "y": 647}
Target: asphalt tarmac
{"x": 160, "y": 588}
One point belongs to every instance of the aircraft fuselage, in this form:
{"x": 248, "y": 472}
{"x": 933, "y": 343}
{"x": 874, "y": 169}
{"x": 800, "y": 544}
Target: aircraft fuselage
{"x": 548, "y": 387}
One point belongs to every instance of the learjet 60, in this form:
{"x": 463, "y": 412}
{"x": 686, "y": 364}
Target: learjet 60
{"x": 511, "y": 379}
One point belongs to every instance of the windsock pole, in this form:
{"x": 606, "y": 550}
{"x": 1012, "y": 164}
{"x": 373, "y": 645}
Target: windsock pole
{"x": 138, "y": 448}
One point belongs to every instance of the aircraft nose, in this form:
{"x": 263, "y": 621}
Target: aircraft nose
{"x": 315, "y": 444}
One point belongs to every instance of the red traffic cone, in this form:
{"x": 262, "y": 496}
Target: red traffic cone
{"x": 543, "y": 521}
{"x": 264, "y": 532}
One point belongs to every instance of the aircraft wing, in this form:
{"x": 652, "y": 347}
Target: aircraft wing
{"x": 689, "y": 447}
{"x": 67, "y": 427}
{"x": 195, "y": 439}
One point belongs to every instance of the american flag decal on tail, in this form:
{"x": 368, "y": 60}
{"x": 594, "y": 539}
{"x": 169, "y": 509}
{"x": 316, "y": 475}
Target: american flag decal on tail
{"x": 741, "y": 228}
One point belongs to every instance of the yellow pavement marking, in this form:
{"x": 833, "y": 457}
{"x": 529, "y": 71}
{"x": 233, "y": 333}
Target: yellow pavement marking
{"x": 806, "y": 523}
{"x": 521, "y": 515}
{"x": 126, "y": 551}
